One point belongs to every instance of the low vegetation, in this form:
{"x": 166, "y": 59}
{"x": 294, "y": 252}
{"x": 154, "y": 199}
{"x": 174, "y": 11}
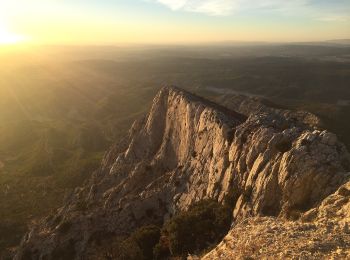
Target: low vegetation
{"x": 193, "y": 231}
{"x": 196, "y": 230}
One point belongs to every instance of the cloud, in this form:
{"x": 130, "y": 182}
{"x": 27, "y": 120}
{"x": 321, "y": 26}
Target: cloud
{"x": 173, "y": 4}
{"x": 226, "y": 7}
{"x": 334, "y": 18}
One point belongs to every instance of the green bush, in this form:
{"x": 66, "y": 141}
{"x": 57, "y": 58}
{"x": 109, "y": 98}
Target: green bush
{"x": 203, "y": 225}
{"x": 146, "y": 238}
{"x": 198, "y": 229}
{"x": 138, "y": 246}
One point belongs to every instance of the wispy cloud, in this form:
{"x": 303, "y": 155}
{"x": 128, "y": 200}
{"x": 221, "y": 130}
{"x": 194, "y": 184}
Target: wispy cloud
{"x": 337, "y": 11}
{"x": 226, "y": 7}
{"x": 334, "y": 18}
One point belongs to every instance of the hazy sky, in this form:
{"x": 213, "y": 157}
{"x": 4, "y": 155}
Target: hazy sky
{"x": 171, "y": 21}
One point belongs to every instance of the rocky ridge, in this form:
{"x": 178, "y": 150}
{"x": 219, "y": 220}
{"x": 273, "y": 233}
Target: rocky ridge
{"x": 188, "y": 149}
{"x": 322, "y": 233}
{"x": 257, "y": 105}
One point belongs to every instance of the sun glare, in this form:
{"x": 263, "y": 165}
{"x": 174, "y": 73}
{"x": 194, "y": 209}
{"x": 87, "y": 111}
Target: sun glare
{"x": 6, "y": 37}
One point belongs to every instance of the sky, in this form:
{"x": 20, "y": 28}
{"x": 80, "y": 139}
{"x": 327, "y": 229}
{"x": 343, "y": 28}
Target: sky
{"x": 172, "y": 21}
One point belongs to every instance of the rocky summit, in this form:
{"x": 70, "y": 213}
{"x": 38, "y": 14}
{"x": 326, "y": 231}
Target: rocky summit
{"x": 287, "y": 182}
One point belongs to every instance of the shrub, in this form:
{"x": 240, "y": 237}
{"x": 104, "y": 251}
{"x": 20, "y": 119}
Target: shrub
{"x": 138, "y": 246}
{"x": 204, "y": 224}
{"x": 129, "y": 250}
{"x": 146, "y": 238}
{"x": 199, "y": 228}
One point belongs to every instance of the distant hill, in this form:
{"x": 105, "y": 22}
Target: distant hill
{"x": 340, "y": 41}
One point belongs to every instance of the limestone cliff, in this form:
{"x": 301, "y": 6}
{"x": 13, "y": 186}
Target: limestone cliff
{"x": 185, "y": 150}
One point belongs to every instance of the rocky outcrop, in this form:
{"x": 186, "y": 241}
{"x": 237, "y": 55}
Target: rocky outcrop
{"x": 185, "y": 150}
{"x": 256, "y": 105}
{"x": 322, "y": 233}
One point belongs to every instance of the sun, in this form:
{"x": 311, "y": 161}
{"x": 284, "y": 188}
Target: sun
{"x": 6, "y": 37}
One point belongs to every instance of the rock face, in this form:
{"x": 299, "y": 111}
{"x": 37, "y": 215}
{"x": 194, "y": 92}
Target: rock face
{"x": 257, "y": 105}
{"x": 188, "y": 149}
{"x": 323, "y": 233}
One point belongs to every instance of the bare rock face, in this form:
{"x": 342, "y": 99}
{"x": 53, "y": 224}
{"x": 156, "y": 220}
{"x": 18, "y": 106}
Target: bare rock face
{"x": 188, "y": 149}
{"x": 257, "y": 105}
{"x": 322, "y": 233}
{"x": 335, "y": 208}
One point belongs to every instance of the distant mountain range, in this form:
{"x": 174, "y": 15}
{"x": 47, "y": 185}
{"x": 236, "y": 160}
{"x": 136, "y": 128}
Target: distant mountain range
{"x": 340, "y": 41}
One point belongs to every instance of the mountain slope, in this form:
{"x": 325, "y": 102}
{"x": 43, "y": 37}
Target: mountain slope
{"x": 185, "y": 150}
